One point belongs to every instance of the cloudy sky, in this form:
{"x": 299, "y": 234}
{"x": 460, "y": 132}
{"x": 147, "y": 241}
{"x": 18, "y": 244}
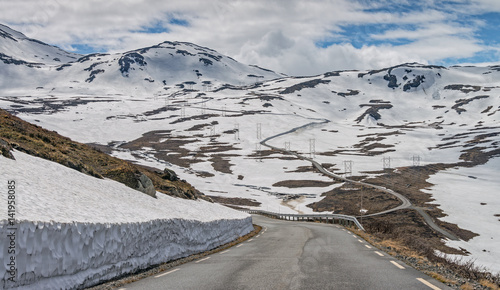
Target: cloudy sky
{"x": 289, "y": 36}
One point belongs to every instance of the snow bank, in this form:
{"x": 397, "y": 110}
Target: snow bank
{"x": 74, "y": 230}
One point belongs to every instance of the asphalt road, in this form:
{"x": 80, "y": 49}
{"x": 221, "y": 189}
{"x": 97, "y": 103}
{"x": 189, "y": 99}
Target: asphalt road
{"x": 405, "y": 202}
{"x": 294, "y": 255}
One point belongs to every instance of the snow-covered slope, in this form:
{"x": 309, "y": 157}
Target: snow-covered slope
{"x": 441, "y": 115}
{"x": 74, "y": 230}
{"x": 18, "y": 49}
{"x": 155, "y": 70}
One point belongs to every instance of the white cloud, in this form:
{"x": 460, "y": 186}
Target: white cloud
{"x": 427, "y": 30}
{"x": 279, "y": 34}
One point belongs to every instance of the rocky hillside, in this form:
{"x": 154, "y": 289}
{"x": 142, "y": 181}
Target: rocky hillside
{"x": 34, "y": 140}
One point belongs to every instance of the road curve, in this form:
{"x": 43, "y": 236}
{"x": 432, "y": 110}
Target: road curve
{"x": 294, "y": 255}
{"x": 405, "y": 202}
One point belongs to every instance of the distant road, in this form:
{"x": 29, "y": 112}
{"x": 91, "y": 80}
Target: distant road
{"x": 405, "y": 202}
{"x": 294, "y": 255}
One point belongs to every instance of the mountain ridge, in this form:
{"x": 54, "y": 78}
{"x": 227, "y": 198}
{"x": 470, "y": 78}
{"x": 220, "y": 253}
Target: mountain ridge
{"x": 149, "y": 70}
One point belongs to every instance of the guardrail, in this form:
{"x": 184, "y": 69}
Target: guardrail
{"x": 341, "y": 219}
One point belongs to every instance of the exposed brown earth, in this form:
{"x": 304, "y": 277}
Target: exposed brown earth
{"x": 302, "y": 183}
{"x": 36, "y": 141}
{"x": 234, "y": 200}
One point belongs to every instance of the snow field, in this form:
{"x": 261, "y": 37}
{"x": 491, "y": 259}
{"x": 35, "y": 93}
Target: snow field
{"x": 472, "y": 203}
{"x": 74, "y": 230}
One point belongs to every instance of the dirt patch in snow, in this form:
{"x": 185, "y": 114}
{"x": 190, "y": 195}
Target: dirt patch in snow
{"x": 302, "y": 183}
{"x": 234, "y": 200}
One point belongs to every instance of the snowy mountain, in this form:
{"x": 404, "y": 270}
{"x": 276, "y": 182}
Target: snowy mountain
{"x": 29, "y": 63}
{"x": 188, "y": 108}
{"x": 17, "y": 49}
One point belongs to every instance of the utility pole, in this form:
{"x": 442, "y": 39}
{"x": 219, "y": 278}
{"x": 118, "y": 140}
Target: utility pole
{"x": 212, "y": 130}
{"x": 287, "y": 146}
{"x": 416, "y": 160}
{"x": 312, "y": 148}
{"x": 237, "y": 131}
{"x": 348, "y": 171}
{"x": 386, "y": 163}
{"x": 416, "y": 165}
{"x": 259, "y": 131}
{"x": 183, "y": 111}
{"x": 258, "y": 152}
{"x": 348, "y": 168}
{"x": 224, "y": 111}
{"x": 203, "y": 108}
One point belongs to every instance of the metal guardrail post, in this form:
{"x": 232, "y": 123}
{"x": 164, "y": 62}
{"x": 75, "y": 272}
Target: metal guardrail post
{"x": 344, "y": 220}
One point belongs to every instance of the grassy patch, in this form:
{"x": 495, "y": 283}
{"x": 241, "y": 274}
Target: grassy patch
{"x": 49, "y": 145}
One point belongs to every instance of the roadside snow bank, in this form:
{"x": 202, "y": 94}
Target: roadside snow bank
{"x": 73, "y": 230}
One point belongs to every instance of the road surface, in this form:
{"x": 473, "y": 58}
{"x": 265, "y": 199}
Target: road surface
{"x": 293, "y": 255}
{"x": 405, "y": 202}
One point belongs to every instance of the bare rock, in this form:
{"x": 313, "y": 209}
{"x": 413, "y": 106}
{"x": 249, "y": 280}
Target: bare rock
{"x": 144, "y": 184}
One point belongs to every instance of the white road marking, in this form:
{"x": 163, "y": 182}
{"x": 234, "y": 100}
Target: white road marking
{"x": 258, "y": 236}
{"x": 428, "y": 284}
{"x": 397, "y": 265}
{"x": 250, "y": 240}
{"x": 158, "y": 276}
{"x": 360, "y": 241}
{"x": 224, "y": 252}
{"x": 239, "y": 245}
{"x": 202, "y": 260}
{"x": 379, "y": 253}
{"x": 368, "y": 246}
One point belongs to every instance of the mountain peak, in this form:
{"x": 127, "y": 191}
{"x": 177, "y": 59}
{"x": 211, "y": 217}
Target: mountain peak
{"x": 18, "y": 48}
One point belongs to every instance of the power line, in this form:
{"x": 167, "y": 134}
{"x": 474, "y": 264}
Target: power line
{"x": 386, "y": 162}
{"x": 203, "y": 108}
{"x": 287, "y": 146}
{"x": 258, "y": 152}
{"x": 348, "y": 168}
{"x": 312, "y": 148}
{"x": 237, "y": 131}
{"x": 416, "y": 165}
{"x": 416, "y": 160}
{"x": 348, "y": 171}
{"x": 183, "y": 111}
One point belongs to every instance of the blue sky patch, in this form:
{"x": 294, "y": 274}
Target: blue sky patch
{"x": 489, "y": 33}
{"x": 178, "y": 21}
{"x": 83, "y": 48}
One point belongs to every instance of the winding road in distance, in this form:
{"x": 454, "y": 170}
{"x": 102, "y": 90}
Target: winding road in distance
{"x": 405, "y": 202}
{"x": 293, "y": 255}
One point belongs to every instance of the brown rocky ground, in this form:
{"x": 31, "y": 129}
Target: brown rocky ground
{"x": 34, "y": 140}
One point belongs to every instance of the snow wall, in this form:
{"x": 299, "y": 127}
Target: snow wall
{"x": 78, "y": 255}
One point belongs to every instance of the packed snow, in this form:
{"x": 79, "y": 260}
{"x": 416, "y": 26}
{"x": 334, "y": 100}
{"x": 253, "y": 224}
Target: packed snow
{"x": 74, "y": 230}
